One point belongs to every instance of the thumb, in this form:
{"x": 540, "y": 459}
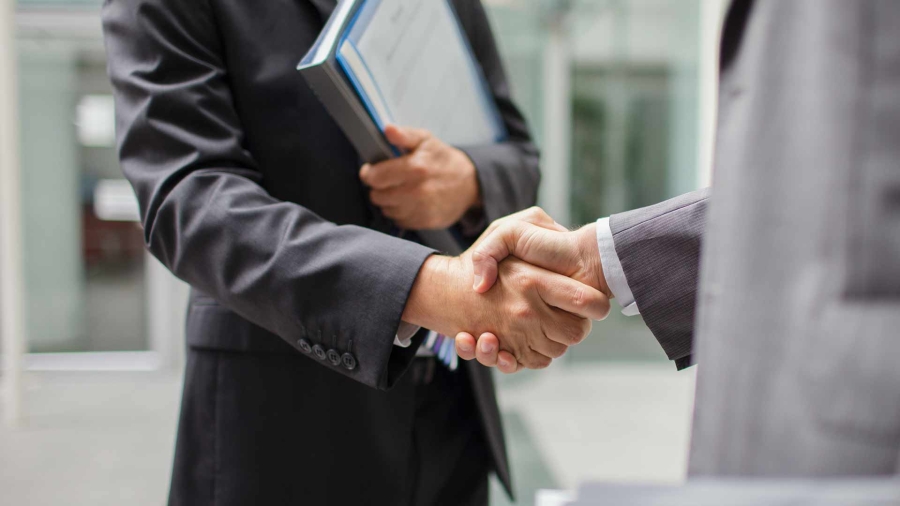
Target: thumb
{"x": 405, "y": 138}
{"x": 484, "y": 266}
{"x": 548, "y": 249}
{"x": 490, "y": 251}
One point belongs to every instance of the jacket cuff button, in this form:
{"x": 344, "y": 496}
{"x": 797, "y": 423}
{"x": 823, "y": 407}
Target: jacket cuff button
{"x": 334, "y": 357}
{"x": 349, "y": 361}
{"x": 319, "y": 351}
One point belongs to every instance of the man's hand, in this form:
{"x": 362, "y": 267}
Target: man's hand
{"x": 430, "y": 187}
{"x": 536, "y": 238}
{"x": 533, "y": 236}
{"x": 539, "y": 313}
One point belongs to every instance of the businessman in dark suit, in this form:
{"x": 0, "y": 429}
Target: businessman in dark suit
{"x": 302, "y": 383}
{"x": 783, "y": 280}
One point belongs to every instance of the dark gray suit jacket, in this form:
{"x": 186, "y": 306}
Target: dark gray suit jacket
{"x": 797, "y": 325}
{"x": 250, "y": 192}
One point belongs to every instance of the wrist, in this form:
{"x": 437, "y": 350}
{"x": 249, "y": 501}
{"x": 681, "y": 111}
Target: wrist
{"x": 589, "y": 251}
{"x": 432, "y": 299}
{"x": 473, "y": 187}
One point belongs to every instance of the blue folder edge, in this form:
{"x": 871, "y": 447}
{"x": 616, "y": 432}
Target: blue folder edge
{"x": 361, "y": 20}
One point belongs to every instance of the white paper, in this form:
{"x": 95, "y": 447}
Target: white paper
{"x": 414, "y": 50}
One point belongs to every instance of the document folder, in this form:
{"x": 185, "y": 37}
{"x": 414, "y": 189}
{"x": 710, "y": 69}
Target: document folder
{"x": 405, "y": 62}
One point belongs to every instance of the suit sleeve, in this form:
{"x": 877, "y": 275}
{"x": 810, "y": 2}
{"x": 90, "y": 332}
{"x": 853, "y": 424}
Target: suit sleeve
{"x": 208, "y": 219}
{"x": 509, "y": 172}
{"x": 659, "y": 249}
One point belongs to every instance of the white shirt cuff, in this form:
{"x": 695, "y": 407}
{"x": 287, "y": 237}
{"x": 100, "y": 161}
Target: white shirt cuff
{"x": 405, "y": 333}
{"x": 612, "y": 269}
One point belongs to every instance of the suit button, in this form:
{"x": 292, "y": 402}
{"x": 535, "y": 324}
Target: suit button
{"x": 334, "y": 357}
{"x": 319, "y": 351}
{"x": 349, "y": 361}
{"x": 304, "y": 346}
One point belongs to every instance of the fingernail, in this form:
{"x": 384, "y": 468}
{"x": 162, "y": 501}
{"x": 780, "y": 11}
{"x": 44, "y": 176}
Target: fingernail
{"x": 464, "y": 346}
{"x": 478, "y": 278}
{"x": 503, "y": 362}
{"x": 487, "y": 347}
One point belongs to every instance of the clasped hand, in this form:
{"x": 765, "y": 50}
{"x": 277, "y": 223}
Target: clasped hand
{"x": 527, "y": 309}
{"x": 533, "y": 237}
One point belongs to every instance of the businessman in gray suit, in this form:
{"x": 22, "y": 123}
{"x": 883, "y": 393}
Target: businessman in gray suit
{"x": 792, "y": 261}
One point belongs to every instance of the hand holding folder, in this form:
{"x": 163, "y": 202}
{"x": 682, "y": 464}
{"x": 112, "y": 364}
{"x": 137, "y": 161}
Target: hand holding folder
{"x": 404, "y": 62}
{"x": 430, "y": 187}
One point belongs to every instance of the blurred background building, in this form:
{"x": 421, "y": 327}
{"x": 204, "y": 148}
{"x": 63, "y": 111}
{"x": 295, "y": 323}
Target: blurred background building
{"x": 620, "y": 94}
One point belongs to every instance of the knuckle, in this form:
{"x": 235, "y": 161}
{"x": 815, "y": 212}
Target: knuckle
{"x": 510, "y": 229}
{"x": 479, "y": 256}
{"x": 540, "y": 362}
{"x": 524, "y": 280}
{"x": 579, "y": 298}
{"x": 535, "y": 214}
{"x": 524, "y": 312}
{"x": 578, "y": 332}
{"x": 418, "y": 164}
{"x": 558, "y": 351}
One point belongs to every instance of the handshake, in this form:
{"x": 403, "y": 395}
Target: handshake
{"x": 528, "y": 288}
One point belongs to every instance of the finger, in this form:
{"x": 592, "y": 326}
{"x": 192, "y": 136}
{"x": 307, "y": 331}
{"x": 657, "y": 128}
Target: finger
{"x": 389, "y": 173}
{"x": 465, "y": 346}
{"x": 534, "y": 360}
{"x": 403, "y": 216}
{"x": 539, "y": 246}
{"x": 507, "y": 363}
{"x": 406, "y": 138}
{"x": 566, "y": 328}
{"x": 488, "y": 352}
{"x": 487, "y": 349}
{"x": 550, "y": 348}
{"x": 572, "y": 296}
{"x": 392, "y": 197}
{"x": 534, "y": 215}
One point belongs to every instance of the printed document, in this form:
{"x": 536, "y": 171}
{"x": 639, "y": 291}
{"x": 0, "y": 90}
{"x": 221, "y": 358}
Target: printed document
{"x": 412, "y": 61}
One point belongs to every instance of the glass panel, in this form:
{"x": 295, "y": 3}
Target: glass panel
{"x": 84, "y": 256}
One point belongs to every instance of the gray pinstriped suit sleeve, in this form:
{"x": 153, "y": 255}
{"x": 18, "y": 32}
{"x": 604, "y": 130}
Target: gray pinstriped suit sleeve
{"x": 659, "y": 249}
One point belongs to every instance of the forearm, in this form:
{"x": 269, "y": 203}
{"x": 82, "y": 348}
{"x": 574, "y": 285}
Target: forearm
{"x": 659, "y": 249}
{"x": 286, "y": 270}
{"x": 206, "y": 215}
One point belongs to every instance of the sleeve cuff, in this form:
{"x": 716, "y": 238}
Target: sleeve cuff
{"x": 405, "y": 333}
{"x": 612, "y": 269}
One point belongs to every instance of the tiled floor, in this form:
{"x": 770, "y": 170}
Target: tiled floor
{"x": 107, "y": 439}
{"x": 598, "y": 421}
